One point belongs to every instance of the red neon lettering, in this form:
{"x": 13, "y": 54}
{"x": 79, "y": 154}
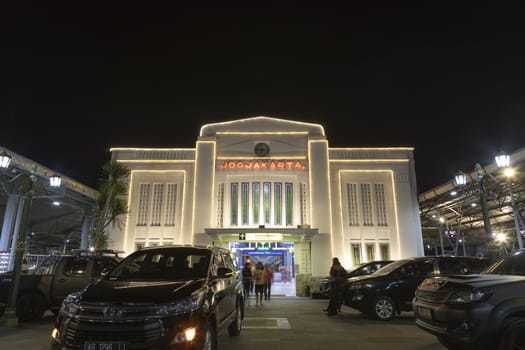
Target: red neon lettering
{"x": 297, "y": 165}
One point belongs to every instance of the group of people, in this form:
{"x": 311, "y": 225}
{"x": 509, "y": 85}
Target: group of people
{"x": 258, "y": 279}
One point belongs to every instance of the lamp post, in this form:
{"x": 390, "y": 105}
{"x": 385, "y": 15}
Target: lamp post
{"x": 503, "y": 161}
{"x": 441, "y": 221}
{"x": 10, "y": 317}
{"x": 461, "y": 180}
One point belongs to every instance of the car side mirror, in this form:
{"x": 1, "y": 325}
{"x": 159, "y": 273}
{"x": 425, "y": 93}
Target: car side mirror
{"x": 223, "y": 272}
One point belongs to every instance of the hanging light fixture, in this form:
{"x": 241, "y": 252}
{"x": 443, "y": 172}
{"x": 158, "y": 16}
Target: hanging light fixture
{"x": 461, "y": 179}
{"x": 55, "y": 181}
{"x": 5, "y": 160}
{"x": 502, "y": 159}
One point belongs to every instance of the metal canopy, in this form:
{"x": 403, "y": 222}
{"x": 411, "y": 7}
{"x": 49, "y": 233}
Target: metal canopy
{"x": 50, "y": 225}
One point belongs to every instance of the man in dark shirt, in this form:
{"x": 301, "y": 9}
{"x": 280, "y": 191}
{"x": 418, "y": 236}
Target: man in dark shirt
{"x": 337, "y": 286}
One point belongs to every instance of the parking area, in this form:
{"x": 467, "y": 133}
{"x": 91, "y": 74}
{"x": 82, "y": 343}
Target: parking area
{"x": 290, "y": 323}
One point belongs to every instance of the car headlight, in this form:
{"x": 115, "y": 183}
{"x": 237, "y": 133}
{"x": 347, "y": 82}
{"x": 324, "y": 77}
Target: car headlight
{"x": 468, "y": 296}
{"x": 71, "y": 305}
{"x": 182, "y": 306}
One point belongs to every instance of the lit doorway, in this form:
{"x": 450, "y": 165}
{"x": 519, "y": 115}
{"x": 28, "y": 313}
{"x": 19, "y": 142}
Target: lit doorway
{"x": 278, "y": 255}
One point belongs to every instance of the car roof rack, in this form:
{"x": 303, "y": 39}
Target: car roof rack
{"x": 99, "y": 252}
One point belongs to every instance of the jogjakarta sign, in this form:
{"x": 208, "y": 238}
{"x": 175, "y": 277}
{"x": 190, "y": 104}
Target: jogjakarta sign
{"x": 261, "y": 164}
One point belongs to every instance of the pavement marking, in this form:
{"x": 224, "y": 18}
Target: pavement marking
{"x": 266, "y": 323}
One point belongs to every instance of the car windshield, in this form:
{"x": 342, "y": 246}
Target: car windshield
{"x": 391, "y": 267}
{"x": 512, "y": 264}
{"x": 163, "y": 264}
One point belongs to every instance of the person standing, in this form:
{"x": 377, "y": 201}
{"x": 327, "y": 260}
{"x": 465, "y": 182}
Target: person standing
{"x": 260, "y": 282}
{"x": 338, "y": 281}
{"x": 269, "y": 279}
{"x": 247, "y": 280}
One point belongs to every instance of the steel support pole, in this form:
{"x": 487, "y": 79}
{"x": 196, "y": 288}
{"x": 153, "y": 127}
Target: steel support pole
{"x": 484, "y": 210}
{"x": 516, "y": 214}
{"x": 11, "y": 320}
{"x": 441, "y": 238}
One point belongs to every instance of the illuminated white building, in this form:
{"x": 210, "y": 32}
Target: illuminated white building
{"x": 279, "y": 185}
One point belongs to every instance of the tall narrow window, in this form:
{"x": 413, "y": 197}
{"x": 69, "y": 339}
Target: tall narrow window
{"x": 384, "y": 250}
{"x": 289, "y": 203}
{"x": 366, "y": 203}
{"x": 370, "y": 251}
{"x": 256, "y": 202}
{"x": 353, "y": 215}
{"x": 245, "y": 202}
{"x": 356, "y": 253}
{"x": 379, "y": 190}
{"x": 220, "y": 204}
{"x": 142, "y": 216}
{"x": 158, "y": 204}
{"x": 304, "y": 217}
{"x": 277, "y": 202}
{"x": 234, "y": 203}
{"x": 171, "y": 201}
{"x": 267, "y": 192}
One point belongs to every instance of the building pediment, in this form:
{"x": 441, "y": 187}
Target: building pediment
{"x": 261, "y": 124}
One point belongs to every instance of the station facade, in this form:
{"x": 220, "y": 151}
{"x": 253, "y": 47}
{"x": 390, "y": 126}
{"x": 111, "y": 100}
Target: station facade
{"x": 273, "y": 190}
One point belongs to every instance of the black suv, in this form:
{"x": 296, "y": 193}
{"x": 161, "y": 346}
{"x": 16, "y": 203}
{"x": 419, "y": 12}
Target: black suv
{"x": 167, "y": 297}
{"x": 482, "y": 311}
{"x": 359, "y": 270}
{"x": 390, "y": 290}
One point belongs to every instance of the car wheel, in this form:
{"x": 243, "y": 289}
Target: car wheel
{"x": 210, "y": 338}
{"x": 30, "y": 307}
{"x": 447, "y": 344}
{"x": 234, "y": 329}
{"x": 384, "y": 308}
{"x": 514, "y": 334}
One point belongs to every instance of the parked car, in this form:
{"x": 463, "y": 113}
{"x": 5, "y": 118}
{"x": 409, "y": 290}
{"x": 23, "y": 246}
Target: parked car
{"x": 176, "y": 297}
{"x": 359, "y": 270}
{"x": 45, "y": 286}
{"x": 482, "y": 311}
{"x": 390, "y": 290}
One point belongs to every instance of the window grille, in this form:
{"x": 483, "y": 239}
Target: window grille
{"x": 171, "y": 202}
{"x": 142, "y": 216}
{"x": 366, "y": 203}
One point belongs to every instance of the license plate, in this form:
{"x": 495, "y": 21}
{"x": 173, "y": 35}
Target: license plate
{"x": 105, "y": 346}
{"x": 423, "y": 312}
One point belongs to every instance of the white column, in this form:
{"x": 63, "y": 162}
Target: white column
{"x": 84, "y": 237}
{"x": 19, "y": 213}
{"x": 9, "y": 217}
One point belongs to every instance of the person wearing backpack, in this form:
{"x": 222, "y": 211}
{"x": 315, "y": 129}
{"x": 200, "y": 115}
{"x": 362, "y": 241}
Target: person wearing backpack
{"x": 260, "y": 283}
{"x": 247, "y": 279}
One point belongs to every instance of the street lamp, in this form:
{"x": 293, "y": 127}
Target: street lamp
{"x": 5, "y": 161}
{"x": 461, "y": 181}
{"x": 503, "y": 161}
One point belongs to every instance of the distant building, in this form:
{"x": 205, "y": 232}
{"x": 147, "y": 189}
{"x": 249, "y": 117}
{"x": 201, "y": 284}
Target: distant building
{"x": 273, "y": 190}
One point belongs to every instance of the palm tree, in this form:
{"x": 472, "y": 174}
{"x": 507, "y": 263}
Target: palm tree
{"x": 111, "y": 207}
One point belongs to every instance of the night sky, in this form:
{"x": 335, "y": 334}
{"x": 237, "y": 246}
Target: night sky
{"x": 75, "y": 81}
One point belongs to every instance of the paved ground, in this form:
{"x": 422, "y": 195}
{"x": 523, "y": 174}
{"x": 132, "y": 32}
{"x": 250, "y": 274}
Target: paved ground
{"x": 283, "y": 323}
